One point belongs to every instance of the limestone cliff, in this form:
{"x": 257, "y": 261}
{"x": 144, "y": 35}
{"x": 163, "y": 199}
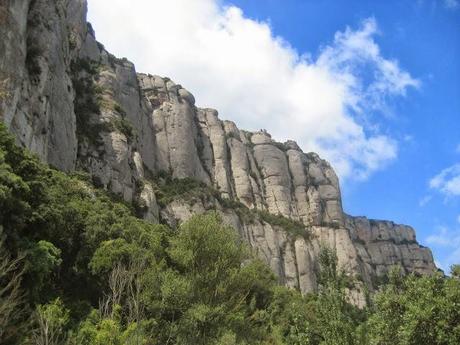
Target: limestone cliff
{"x": 80, "y": 108}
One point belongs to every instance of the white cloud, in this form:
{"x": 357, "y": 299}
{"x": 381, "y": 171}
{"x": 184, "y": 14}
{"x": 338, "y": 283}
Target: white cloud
{"x": 453, "y": 258}
{"x": 238, "y": 66}
{"x": 457, "y": 149}
{"x": 447, "y": 242}
{"x": 451, "y": 4}
{"x": 441, "y": 238}
{"x": 408, "y": 138}
{"x": 447, "y": 181}
{"x": 425, "y": 200}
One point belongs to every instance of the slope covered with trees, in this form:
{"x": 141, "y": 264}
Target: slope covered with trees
{"x": 78, "y": 267}
{"x": 80, "y": 108}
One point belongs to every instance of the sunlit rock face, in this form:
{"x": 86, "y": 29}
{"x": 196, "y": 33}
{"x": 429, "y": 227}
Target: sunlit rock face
{"x": 80, "y": 108}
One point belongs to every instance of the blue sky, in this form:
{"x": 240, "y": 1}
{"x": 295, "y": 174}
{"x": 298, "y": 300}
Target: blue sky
{"x": 374, "y": 86}
{"x": 424, "y": 36}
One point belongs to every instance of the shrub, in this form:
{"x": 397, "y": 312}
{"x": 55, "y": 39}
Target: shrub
{"x": 124, "y": 126}
{"x": 87, "y": 103}
{"x": 32, "y": 62}
{"x": 360, "y": 241}
{"x": 291, "y": 226}
{"x": 117, "y": 107}
{"x": 187, "y": 188}
{"x": 280, "y": 146}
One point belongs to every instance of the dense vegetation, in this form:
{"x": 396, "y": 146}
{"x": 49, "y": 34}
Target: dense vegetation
{"x": 77, "y": 267}
{"x": 188, "y": 190}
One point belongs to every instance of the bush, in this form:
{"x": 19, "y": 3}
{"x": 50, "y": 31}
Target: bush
{"x": 188, "y": 189}
{"x": 87, "y": 103}
{"x": 119, "y": 110}
{"x": 32, "y": 62}
{"x": 96, "y": 274}
{"x": 280, "y": 146}
{"x": 123, "y": 125}
{"x": 291, "y": 226}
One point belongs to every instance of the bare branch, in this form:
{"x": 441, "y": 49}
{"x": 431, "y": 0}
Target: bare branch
{"x": 11, "y": 296}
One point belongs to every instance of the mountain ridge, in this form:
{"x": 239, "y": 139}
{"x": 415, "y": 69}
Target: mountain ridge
{"x": 78, "y": 107}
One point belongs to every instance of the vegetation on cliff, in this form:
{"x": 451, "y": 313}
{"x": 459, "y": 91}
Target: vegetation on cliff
{"x": 77, "y": 267}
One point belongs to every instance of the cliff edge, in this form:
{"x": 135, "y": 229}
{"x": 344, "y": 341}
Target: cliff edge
{"x": 80, "y": 108}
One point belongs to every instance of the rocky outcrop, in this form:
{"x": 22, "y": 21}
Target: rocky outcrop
{"x": 382, "y": 244}
{"x": 35, "y": 55}
{"x": 78, "y": 107}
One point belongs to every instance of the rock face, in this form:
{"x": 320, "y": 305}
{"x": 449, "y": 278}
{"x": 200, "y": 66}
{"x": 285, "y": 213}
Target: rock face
{"x": 78, "y": 107}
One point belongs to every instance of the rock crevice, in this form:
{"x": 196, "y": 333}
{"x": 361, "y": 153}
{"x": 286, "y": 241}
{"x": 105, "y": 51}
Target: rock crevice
{"x": 78, "y": 107}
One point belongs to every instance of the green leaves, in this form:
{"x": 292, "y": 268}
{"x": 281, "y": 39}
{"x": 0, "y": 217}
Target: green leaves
{"x": 455, "y": 271}
{"x": 208, "y": 291}
{"x": 126, "y": 281}
{"x": 43, "y": 258}
{"x": 417, "y": 310}
{"x": 50, "y": 322}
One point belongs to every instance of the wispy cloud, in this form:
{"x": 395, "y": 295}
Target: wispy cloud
{"x": 447, "y": 241}
{"x": 329, "y": 102}
{"x": 451, "y": 4}
{"x": 442, "y": 237}
{"x": 457, "y": 149}
{"x": 425, "y": 200}
{"x": 447, "y": 181}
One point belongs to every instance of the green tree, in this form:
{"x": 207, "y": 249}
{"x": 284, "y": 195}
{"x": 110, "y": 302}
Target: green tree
{"x": 455, "y": 271}
{"x": 50, "y": 322}
{"x": 416, "y": 310}
{"x": 213, "y": 287}
{"x": 12, "y": 308}
{"x": 336, "y": 323}
{"x": 293, "y": 317}
{"x": 388, "y": 310}
{"x": 100, "y": 330}
{"x": 126, "y": 281}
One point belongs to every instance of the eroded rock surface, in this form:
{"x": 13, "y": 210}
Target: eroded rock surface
{"x": 78, "y": 107}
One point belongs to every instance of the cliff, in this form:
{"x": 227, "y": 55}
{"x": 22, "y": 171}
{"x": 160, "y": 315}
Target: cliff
{"x": 80, "y": 108}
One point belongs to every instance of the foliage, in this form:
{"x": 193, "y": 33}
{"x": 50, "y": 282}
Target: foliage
{"x": 4, "y": 94}
{"x": 318, "y": 319}
{"x": 92, "y": 273}
{"x": 50, "y": 320}
{"x": 123, "y": 125}
{"x": 416, "y": 310}
{"x": 189, "y": 189}
{"x": 11, "y": 296}
{"x": 291, "y": 226}
{"x": 114, "y": 61}
{"x": 208, "y": 290}
{"x": 280, "y": 146}
{"x": 117, "y": 107}
{"x": 338, "y": 324}
{"x": 169, "y": 189}
{"x": 32, "y": 61}
{"x": 60, "y": 223}
{"x": 247, "y": 215}
{"x": 88, "y": 98}
{"x": 293, "y": 317}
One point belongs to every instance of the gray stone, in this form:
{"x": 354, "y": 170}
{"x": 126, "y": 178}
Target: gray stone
{"x": 150, "y": 125}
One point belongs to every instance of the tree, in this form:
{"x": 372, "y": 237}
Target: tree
{"x": 336, "y": 324}
{"x": 126, "y": 281}
{"x": 416, "y": 310}
{"x": 3, "y": 90}
{"x": 213, "y": 287}
{"x": 50, "y": 320}
{"x": 293, "y": 317}
{"x": 455, "y": 271}
{"x": 11, "y": 296}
